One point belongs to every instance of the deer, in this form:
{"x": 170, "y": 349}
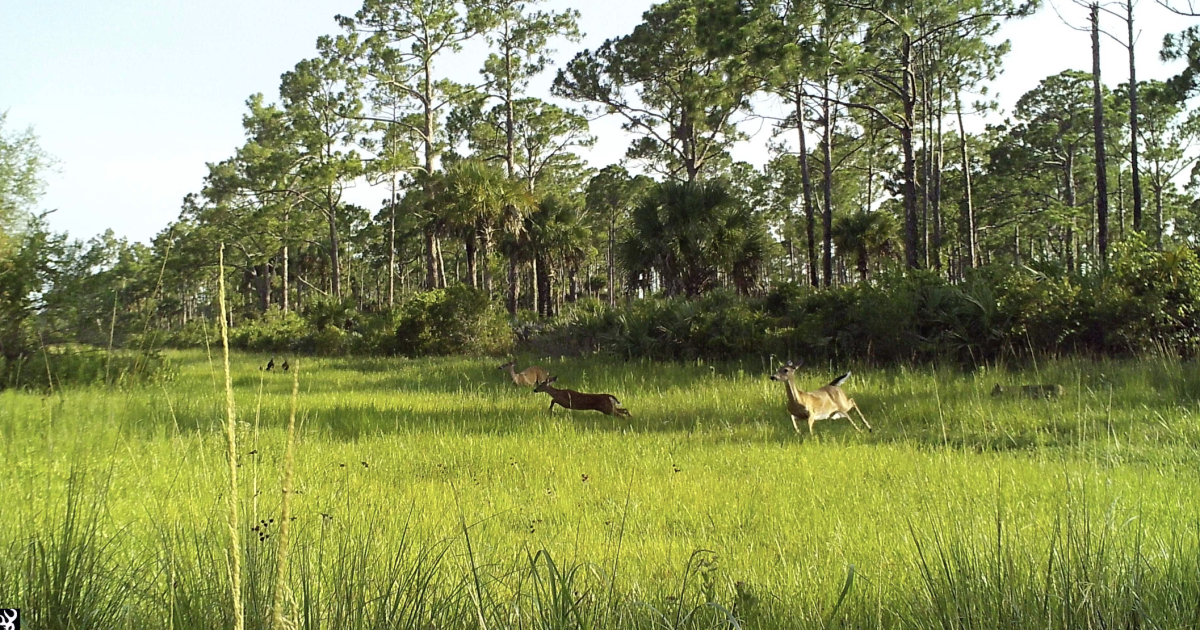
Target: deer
{"x": 531, "y": 375}
{"x": 570, "y": 399}
{"x": 827, "y": 403}
{"x": 1034, "y": 391}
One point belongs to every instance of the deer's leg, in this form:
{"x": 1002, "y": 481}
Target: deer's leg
{"x": 812, "y": 419}
{"x": 552, "y": 405}
{"x": 852, "y": 422}
{"x": 796, "y": 423}
{"x": 860, "y": 415}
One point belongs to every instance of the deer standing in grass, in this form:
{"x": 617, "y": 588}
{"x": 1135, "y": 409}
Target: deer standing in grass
{"x": 570, "y": 399}
{"x": 826, "y": 403}
{"x": 528, "y": 377}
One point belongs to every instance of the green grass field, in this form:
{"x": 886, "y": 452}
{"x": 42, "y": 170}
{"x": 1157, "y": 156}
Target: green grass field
{"x": 435, "y": 494}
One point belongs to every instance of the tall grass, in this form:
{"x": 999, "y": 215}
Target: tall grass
{"x": 235, "y": 551}
{"x": 285, "y": 510}
{"x": 705, "y": 510}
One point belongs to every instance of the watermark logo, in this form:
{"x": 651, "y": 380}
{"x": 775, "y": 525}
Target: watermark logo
{"x": 10, "y": 619}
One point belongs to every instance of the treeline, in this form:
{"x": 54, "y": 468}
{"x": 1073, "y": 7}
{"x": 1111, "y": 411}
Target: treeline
{"x": 873, "y": 175}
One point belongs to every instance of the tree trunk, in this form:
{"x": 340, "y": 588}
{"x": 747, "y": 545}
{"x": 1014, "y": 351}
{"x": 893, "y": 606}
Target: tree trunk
{"x": 970, "y": 239}
{"x": 806, "y": 181}
{"x": 926, "y": 167}
{"x": 1133, "y": 125}
{"x": 441, "y": 262}
{"x": 335, "y": 260}
{"x": 1120, "y": 206}
{"x": 1098, "y": 129}
{"x": 392, "y": 248}
{"x": 1158, "y": 216}
{"x": 431, "y": 270}
{"x": 286, "y": 304}
{"x": 911, "y": 244}
{"x": 612, "y": 262}
{"x": 472, "y": 265}
{"x": 1070, "y": 180}
{"x": 544, "y": 298}
{"x": 485, "y": 255}
{"x": 827, "y": 188}
{"x": 1017, "y": 245}
{"x": 514, "y": 284}
{"x": 435, "y": 274}
{"x": 791, "y": 248}
{"x": 938, "y": 165}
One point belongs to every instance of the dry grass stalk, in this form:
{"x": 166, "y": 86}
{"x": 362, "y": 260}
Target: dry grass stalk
{"x": 235, "y": 542}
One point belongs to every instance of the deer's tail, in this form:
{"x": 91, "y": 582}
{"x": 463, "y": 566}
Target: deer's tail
{"x": 837, "y": 382}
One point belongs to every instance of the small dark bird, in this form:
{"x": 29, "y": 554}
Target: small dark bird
{"x": 270, "y": 364}
{"x": 285, "y": 365}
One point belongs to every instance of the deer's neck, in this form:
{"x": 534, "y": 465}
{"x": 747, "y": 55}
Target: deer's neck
{"x": 512, "y": 371}
{"x": 795, "y": 396}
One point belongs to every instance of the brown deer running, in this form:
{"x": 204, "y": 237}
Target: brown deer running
{"x": 528, "y": 377}
{"x": 825, "y": 403}
{"x": 570, "y": 399}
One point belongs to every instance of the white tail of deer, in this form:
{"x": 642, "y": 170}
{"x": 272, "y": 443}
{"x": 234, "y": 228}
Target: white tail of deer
{"x": 826, "y": 403}
{"x": 571, "y": 399}
{"x": 528, "y": 377}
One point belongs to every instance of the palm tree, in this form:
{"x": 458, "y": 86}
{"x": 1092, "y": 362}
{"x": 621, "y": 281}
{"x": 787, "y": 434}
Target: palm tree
{"x": 483, "y": 199}
{"x": 557, "y": 239}
{"x": 691, "y": 233}
{"x": 864, "y": 234}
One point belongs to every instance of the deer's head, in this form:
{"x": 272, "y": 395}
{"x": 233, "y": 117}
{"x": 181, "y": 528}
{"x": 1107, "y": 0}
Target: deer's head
{"x": 997, "y": 390}
{"x": 785, "y": 372}
{"x": 506, "y": 365}
{"x": 543, "y": 385}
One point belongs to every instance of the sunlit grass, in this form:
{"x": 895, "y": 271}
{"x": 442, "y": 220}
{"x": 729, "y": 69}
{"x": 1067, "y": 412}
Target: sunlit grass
{"x": 960, "y": 510}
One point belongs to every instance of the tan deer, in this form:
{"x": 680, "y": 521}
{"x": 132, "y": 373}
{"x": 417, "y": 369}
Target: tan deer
{"x": 528, "y": 377}
{"x": 570, "y": 399}
{"x": 826, "y": 403}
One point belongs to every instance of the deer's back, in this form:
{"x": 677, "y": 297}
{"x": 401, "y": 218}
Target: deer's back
{"x": 1042, "y": 391}
{"x": 828, "y": 400}
{"x": 571, "y": 399}
{"x": 531, "y": 376}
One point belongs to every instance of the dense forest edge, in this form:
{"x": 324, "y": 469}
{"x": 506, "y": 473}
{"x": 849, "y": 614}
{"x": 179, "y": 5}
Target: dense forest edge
{"x": 880, "y": 231}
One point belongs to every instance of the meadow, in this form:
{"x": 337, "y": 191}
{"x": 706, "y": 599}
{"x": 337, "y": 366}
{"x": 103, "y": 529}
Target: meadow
{"x": 433, "y": 493}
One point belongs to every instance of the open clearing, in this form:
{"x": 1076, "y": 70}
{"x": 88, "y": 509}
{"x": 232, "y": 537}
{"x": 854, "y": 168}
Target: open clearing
{"x": 434, "y": 493}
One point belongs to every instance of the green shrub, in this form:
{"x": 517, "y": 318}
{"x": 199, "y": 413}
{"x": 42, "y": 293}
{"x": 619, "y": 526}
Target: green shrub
{"x": 276, "y": 331}
{"x": 1148, "y": 302}
{"x": 457, "y": 320}
{"x": 376, "y": 332}
{"x": 61, "y": 366}
{"x": 332, "y": 341}
{"x": 195, "y": 334}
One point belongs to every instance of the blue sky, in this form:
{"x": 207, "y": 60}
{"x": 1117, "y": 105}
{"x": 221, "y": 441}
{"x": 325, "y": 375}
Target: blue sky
{"x": 133, "y": 97}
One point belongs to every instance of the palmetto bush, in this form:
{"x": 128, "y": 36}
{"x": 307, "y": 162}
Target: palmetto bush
{"x": 458, "y": 320}
{"x": 1148, "y": 301}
